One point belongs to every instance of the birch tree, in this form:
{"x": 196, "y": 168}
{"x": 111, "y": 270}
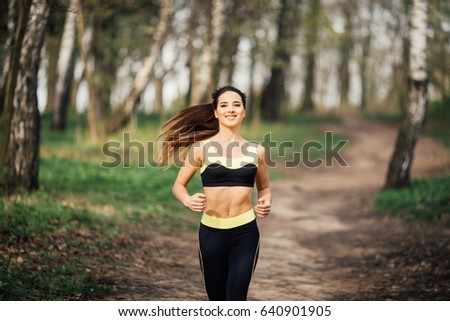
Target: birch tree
{"x": 19, "y": 159}
{"x": 400, "y": 165}
{"x": 204, "y": 74}
{"x": 122, "y": 116}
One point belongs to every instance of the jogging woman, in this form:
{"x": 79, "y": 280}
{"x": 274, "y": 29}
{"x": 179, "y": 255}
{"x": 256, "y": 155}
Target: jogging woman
{"x": 208, "y": 139}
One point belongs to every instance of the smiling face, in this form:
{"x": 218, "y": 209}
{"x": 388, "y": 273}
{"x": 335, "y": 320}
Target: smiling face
{"x": 230, "y": 110}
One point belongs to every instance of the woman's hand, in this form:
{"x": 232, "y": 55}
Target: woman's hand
{"x": 196, "y": 202}
{"x": 262, "y": 209}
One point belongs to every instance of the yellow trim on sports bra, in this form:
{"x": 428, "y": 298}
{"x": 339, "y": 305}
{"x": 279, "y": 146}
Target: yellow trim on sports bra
{"x": 231, "y": 163}
{"x": 226, "y": 223}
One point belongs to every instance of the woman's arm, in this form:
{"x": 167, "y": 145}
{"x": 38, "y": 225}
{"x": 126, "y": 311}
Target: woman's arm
{"x": 262, "y": 209}
{"x": 193, "y": 161}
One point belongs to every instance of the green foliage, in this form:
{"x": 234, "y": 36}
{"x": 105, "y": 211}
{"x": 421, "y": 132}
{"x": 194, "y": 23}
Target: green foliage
{"x": 426, "y": 200}
{"x": 437, "y": 120}
{"x": 386, "y": 117}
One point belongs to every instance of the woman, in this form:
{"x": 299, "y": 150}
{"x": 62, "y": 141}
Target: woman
{"x": 208, "y": 138}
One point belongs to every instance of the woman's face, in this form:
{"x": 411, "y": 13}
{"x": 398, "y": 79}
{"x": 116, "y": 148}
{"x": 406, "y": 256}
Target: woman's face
{"x": 230, "y": 110}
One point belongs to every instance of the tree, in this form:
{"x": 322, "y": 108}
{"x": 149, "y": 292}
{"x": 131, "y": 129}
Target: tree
{"x": 104, "y": 50}
{"x": 274, "y": 92}
{"x": 51, "y": 48}
{"x": 345, "y": 49}
{"x": 92, "y": 109}
{"x": 65, "y": 68}
{"x": 312, "y": 30}
{"x": 398, "y": 91}
{"x": 204, "y": 72}
{"x": 400, "y": 165}
{"x": 19, "y": 158}
{"x": 122, "y": 116}
{"x": 11, "y": 21}
{"x": 439, "y": 76}
{"x": 226, "y": 61}
{"x": 366, "y": 44}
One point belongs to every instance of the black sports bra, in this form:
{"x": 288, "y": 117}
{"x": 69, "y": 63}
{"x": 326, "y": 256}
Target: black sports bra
{"x": 218, "y": 170}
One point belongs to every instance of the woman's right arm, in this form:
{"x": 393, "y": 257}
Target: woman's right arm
{"x": 192, "y": 163}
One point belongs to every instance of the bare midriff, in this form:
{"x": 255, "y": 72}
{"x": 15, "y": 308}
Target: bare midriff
{"x": 227, "y": 201}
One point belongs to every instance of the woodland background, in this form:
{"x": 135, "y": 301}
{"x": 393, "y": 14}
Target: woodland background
{"x": 79, "y": 74}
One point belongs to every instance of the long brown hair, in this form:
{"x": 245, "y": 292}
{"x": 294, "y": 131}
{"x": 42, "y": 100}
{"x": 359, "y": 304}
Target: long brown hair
{"x": 188, "y": 126}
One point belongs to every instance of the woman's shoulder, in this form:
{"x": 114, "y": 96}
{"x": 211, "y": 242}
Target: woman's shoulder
{"x": 255, "y": 145}
{"x": 257, "y": 148}
{"x": 196, "y": 149}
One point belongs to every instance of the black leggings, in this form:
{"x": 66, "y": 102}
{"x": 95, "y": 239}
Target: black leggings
{"x": 228, "y": 259}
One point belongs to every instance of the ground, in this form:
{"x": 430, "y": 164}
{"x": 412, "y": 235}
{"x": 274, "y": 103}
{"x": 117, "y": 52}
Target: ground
{"x": 322, "y": 240}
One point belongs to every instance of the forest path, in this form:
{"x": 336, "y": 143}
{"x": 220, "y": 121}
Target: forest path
{"x": 322, "y": 241}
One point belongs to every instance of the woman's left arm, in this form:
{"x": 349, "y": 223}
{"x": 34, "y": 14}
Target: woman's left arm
{"x": 262, "y": 209}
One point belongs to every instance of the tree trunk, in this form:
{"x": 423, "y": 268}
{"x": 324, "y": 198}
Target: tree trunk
{"x": 364, "y": 77}
{"x": 274, "y": 92}
{"x": 158, "y": 83}
{"x": 346, "y": 49}
{"x": 273, "y": 95}
{"x": 400, "y": 165}
{"x": 20, "y": 153}
{"x": 51, "y": 44}
{"x": 204, "y": 75}
{"x": 252, "y": 109}
{"x": 105, "y": 67}
{"x": 66, "y": 65}
{"x": 92, "y": 108}
{"x": 122, "y": 116}
{"x": 311, "y": 41}
{"x": 226, "y": 61}
{"x": 366, "y": 45}
{"x": 190, "y": 50}
{"x": 8, "y": 48}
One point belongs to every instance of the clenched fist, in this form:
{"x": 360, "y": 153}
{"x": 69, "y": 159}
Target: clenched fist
{"x": 196, "y": 202}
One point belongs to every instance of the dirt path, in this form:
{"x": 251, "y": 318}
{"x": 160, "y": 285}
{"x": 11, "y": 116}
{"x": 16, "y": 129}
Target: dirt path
{"x": 322, "y": 240}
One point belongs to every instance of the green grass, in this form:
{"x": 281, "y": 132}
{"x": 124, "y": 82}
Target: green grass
{"x": 43, "y": 245}
{"x": 386, "y": 117}
{"x": 68, "y": 281}
{"x": 127, "y": 193}
{"x": 437, "y": 121}
{"x": 426, "y": 200}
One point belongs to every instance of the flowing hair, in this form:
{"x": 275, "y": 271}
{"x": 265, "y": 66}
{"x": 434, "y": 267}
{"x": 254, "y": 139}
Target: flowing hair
{"x": 188, "y": 126}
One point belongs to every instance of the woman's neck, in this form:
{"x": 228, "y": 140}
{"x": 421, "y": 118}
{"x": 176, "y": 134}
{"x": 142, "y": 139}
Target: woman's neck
{"x": 228, "y": 135}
